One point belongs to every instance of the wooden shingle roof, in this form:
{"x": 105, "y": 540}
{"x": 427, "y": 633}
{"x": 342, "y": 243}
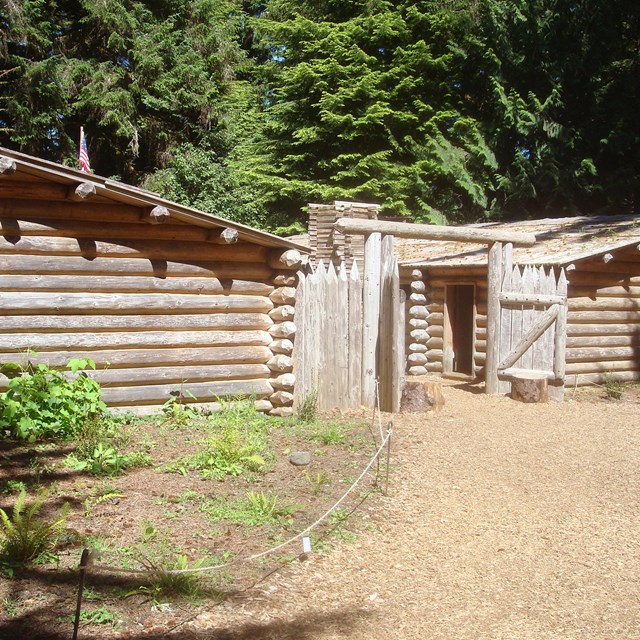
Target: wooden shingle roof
{"x": 559, "y": 241}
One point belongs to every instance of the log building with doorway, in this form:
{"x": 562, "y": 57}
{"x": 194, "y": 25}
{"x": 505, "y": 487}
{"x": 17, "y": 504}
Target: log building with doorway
{"x": 167, "y": 301}
{"x": 600, "y": 259}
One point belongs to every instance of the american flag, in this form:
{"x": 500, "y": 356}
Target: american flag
{"x": 83, "y": 157}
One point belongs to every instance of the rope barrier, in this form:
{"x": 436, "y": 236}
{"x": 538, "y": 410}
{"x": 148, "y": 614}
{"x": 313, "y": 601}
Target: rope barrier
{"x": 262, "y": 554}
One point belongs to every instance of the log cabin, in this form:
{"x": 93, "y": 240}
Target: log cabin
{"x": 600, "y": 259}
{"x": 168, "y": 301}
{"x": 592, "y": 263}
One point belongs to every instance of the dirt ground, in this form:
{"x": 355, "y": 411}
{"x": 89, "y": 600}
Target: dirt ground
{"x": 502, "y": 521}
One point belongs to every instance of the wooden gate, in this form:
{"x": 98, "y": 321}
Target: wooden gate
{"x": 350, "y": 332}
{"x": 533, "y": 326}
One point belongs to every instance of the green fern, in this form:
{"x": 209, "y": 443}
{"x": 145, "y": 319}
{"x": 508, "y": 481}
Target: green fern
{"x": 25, "y": 536}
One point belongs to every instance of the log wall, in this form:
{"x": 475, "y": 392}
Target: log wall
{"x": 603, "y": 324}
{"x": 163, "y": 309}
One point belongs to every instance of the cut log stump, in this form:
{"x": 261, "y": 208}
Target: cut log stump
{"x": 421, "y": 396}
{"x": 530, "y": 387}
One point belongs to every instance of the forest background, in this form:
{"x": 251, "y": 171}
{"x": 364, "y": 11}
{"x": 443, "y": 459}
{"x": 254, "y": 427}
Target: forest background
{"x": 446, "y": 111}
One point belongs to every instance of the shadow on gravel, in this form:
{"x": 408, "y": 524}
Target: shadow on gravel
{"x": 303, "y": 628}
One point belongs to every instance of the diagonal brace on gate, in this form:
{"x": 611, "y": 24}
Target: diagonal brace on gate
{"x": 536, "y": 330}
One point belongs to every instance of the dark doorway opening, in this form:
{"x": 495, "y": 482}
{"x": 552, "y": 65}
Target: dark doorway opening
{"x": 459, "y": 329}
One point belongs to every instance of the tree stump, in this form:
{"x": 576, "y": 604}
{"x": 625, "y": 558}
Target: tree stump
{"x": 530, "y": 387}
{"x": 421, "y": 396}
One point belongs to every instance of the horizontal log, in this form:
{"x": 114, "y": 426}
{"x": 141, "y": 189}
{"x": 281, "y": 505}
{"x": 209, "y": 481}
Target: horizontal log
{"x": 435, "y": 343}
{"x": 285, "y": 280}
{"x": 59, "y": 303}
{"x": 608, "y": 304}
{"x": 156, "y": 249}
{"x": 283, "y": 330}
{"x": 77, "y": 265}
{"x": 417, "y": 359}
{"x": 156, "y": 215}
{"x": 455, "y": 273}
{"x": 417, "y": 370}
{"x": 64, "y": 324}
{"x": 281, "y": 399}
{"x": 123, "y": 358}
{"x": 201, "y": 391}
{"x": 7, "y": 166}
{"x": 212, "y": 407}
{"x": 418, "y": 312}
{"x": 355, "y": 226}
{"x": 600, "y": 378}
{"x": 515, "y": 372}
{"x": 439, "y": 284}
{"x": 47, "y": 208}
{"x": 223, "y": 236}
{"x": 282, "y": 346}
{"x": 419, "y": 335}
{"x": 530, "y": 299}
{"x": 435, "y": 319}
{"x": 436, "y": 330}
{"x": 418, "y": 323}
{"x": 416, "y": 347}
{"x": 602, "y": 366}
{"x": 596, "y": 354}
{"x": 131, "y": 230}
{"x": 623, "y": 267}
{"x": 282, "y": 412}
{"x": 88, "y": 342}
{"x": 602, "y": 317}
{"x": 418, "y": 286}
{"x": 593, "y": 279}
{"x": 434, "y": 307}
{"x": 280, "y": 363}
{"x": 133, "y": 284}
{"x": 418, "y": 298}
{"x": 177, "y": 374}
{"x": 434, "y": 366}
{"x": 83, "y": 191}
{"x": 435, "y": 354}
{"x": 286, "y": 382}
{"x": 607, "y": 340}
{"x": 615, "y": 291}
{"x": 280, "y": 314}
{"x": 601, "y": 329}
{"x": 287, "y": 259}
{"x": 283, "y": 295}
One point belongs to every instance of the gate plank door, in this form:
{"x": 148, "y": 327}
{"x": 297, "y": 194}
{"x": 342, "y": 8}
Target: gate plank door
{"x": 533, "y": 312}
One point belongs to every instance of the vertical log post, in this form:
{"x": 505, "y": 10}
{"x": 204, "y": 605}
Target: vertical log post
{"x": 370, "y": 313}
{"x": 493, "y": 317}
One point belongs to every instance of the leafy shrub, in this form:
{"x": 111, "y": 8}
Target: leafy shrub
{"x": 613, "y": 388}
{"x": 42, "y": 402}
{"x": 26, "y": 537}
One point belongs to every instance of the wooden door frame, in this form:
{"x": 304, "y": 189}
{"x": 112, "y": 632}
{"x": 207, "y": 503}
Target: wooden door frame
{"x": 447, "y": 336}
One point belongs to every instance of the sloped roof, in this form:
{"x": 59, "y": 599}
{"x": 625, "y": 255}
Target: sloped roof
{"x": 32, "y": 170}
{"x": 559, "y": 241}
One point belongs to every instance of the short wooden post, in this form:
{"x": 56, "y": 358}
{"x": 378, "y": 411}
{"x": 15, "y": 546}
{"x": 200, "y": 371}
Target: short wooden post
{"x": 84, "y": 561}
{"x": 493, "y": 317}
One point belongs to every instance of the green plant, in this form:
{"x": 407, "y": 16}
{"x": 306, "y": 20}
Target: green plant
{"x": 105, "y": 460}
{"x": 101, "y": 615}
{"x": 100, "y": 495}
{"x": 163, "y": 582}
{"x": 237, "y": 438}
{"x": 25, "y": 536}
{"x": 330, "y": 433}
{"x": 318, "y": 480}
{"x": 254, "y": 509}
{"x": 14, "y": 486}
{"x": 307, "y": 410}
{"x": 43, "y": 402}
{"x": 613, "y": 388}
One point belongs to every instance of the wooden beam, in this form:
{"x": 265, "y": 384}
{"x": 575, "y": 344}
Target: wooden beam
{"x": 288, "y": 259}
{"x": 156, "y": 215}
{"x": 83, "y": 191}
{"x": 433, "y": 232}
{"x": 223, "y": 236}
{"x": 7, "y": 166}
{"x": 493, "y": 317}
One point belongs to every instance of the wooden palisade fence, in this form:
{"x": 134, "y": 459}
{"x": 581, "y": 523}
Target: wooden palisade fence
{"x": 350, "y": 333}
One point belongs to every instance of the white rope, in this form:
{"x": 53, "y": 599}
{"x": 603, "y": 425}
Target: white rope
{"x": 262, "y": 554}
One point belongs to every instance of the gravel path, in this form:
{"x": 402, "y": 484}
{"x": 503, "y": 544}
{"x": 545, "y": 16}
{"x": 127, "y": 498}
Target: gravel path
{"x": 503, "y": 521}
